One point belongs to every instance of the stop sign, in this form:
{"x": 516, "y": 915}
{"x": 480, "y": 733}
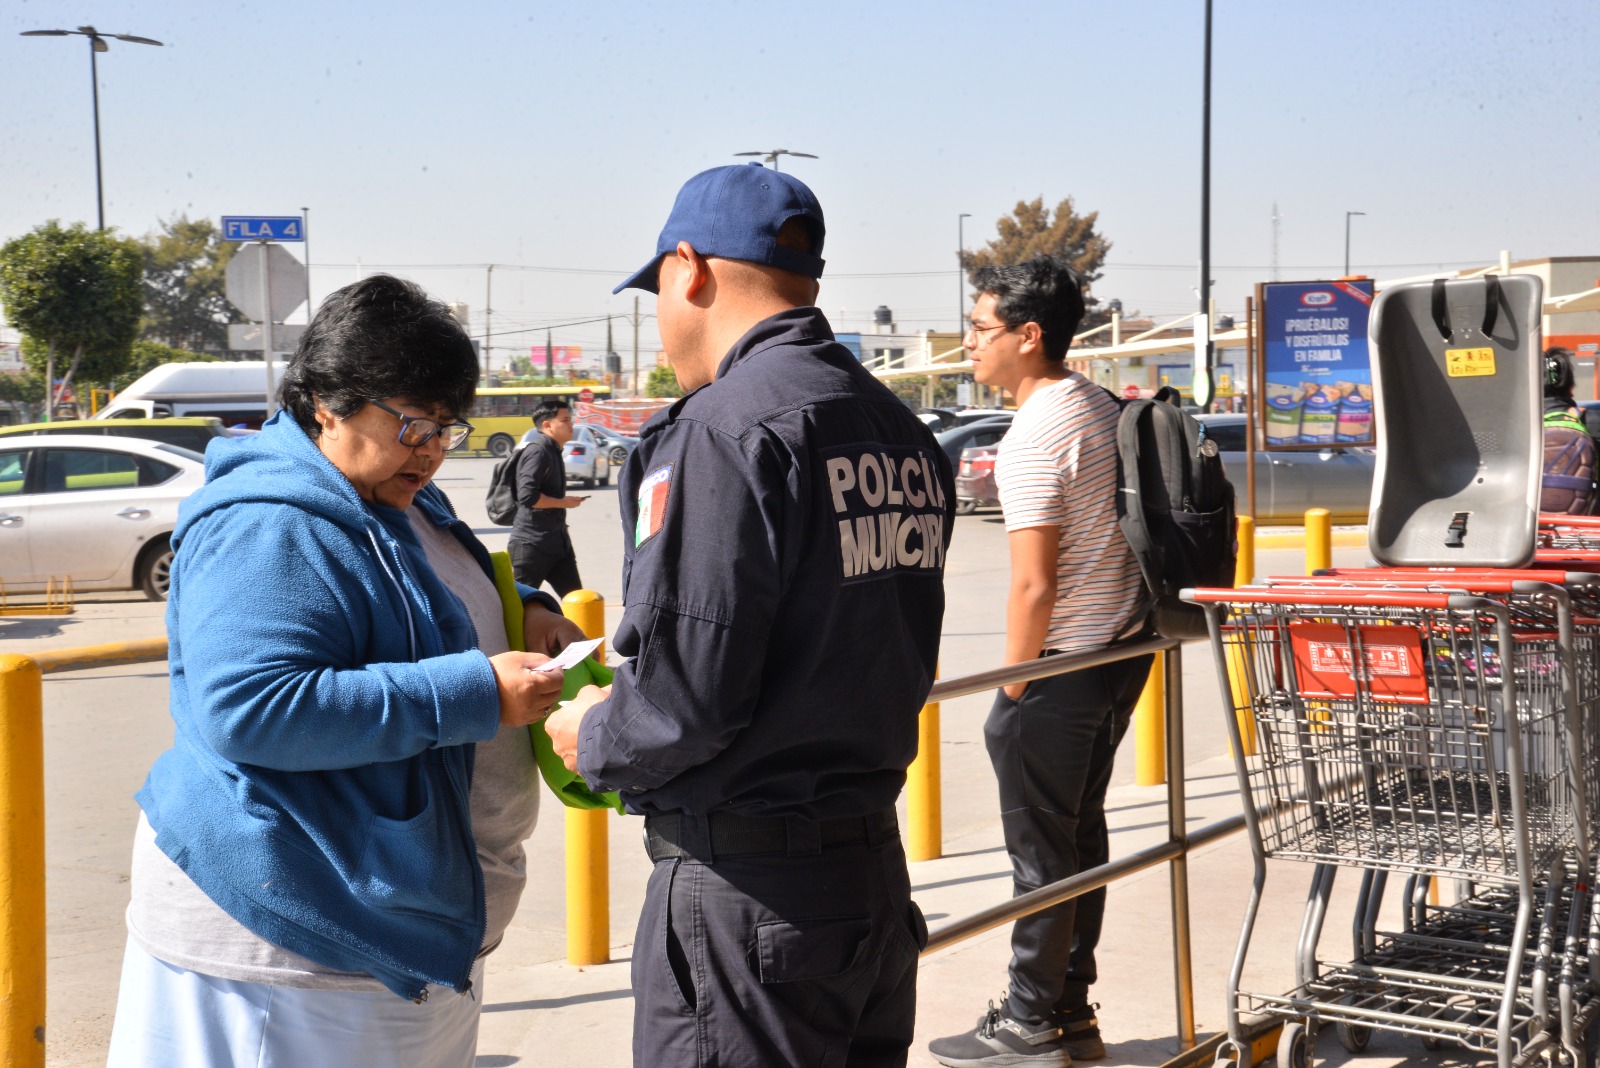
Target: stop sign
{"x": 1130, "y": 392}
{"x": 586, "y": 395}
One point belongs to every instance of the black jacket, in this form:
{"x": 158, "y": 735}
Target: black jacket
{"x": 786, "y": 528}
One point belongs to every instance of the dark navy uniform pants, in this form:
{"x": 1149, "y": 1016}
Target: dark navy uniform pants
{"x": 778, "y": 959}
{"x": 1052, "y": 753}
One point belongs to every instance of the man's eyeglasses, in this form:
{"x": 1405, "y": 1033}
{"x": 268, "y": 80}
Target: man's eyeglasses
{"x": 974, "y": 328}
{"x": 417, "y": 430}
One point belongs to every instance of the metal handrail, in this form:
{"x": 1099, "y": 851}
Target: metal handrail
{"x": 1174, "y": 851}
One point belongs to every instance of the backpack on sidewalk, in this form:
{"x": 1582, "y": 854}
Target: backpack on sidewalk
{"x": 1567, "y": 486}
{"x": 501, "y": 500}
{"x": 1176, "y": 509}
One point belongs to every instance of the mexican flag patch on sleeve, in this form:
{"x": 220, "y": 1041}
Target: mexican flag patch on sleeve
{"x": 652, "y": 504}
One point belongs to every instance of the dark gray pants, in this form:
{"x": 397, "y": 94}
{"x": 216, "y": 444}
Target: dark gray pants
{"x": 775, "y": 959}
{"x": 534, "y": 565}
{"x": 1052, "y": 753}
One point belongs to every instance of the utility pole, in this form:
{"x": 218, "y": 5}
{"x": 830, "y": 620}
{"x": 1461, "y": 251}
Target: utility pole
{"x": 488, "y": 321}
{"x": 635, "y": 346}
{"x": 549, "y": 358}
{"x": 1276, "y": 222}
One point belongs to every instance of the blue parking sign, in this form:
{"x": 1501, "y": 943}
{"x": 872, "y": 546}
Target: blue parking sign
{"x": 263, "y": 228}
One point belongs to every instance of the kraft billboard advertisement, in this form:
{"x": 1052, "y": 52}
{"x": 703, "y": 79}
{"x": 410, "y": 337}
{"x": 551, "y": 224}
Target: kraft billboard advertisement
{"x": 1316, "y": 370}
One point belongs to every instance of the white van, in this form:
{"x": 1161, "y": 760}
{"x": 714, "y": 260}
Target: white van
{"x": 235, "y": 392}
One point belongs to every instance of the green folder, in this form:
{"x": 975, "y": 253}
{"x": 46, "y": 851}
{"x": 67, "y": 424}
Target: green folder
{"x": 567, "y": 785}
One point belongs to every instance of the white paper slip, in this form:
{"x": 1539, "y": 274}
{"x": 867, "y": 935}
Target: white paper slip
{"x": 571, "y": 655}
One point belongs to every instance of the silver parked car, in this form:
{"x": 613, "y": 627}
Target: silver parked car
{"x": 618, "y": 446}
{"x": 587, "y": 457}
{"x": 1289, "y": 482}
{"x": 97, "y": 509}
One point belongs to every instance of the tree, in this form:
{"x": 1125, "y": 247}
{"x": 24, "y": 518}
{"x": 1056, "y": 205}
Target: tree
{"x": 1031, "y": 231}
{"x": 185, "y": 285}
{"x": 25, "y": 388}
{"x": 72, "y": 290}
{"x": 148, "y": 355}
{"x": 662, "y": 383}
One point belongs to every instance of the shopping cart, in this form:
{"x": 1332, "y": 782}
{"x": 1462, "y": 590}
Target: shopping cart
{"x": 1403, "y": 728}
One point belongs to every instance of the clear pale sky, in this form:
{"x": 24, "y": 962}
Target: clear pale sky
{"x": 552, "y": 137}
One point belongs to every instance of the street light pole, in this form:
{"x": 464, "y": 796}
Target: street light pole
{"x": 97, "y": 43}
{"x": 961, "y": 271}
{"x": 1347, "y": 239}
{"x": 305, "y": 237}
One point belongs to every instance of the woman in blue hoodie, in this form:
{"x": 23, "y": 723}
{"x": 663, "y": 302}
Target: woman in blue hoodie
{"x": 306, "y": 849}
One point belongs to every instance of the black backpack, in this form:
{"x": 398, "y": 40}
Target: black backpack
{"x": 1176, "y": 509}
{"x": 1567, "y": 486}
{"x": 502, "y": 498}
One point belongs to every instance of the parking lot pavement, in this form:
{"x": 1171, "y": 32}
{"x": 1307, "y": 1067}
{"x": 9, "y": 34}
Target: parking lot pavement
{"x": 105, "y": 726}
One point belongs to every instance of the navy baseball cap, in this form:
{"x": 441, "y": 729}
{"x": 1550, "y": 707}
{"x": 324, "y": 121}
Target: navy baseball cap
{"x": 735, "y": 212}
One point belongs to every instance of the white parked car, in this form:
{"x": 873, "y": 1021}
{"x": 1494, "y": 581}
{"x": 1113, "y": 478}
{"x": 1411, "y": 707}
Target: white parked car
{"x": 95, "y": 508}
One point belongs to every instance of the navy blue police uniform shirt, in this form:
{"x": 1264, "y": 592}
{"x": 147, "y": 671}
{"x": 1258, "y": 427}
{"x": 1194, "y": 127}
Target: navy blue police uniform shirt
{"x": 786, "y": 528}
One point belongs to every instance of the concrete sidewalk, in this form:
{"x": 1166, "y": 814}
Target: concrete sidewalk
{"x": 549, "y": 1012}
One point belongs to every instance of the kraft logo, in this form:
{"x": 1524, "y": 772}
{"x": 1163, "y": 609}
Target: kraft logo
{"x": 1317, "y": 299}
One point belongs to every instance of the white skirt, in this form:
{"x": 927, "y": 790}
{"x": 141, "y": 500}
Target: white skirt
{"x": 175, "y": 1018}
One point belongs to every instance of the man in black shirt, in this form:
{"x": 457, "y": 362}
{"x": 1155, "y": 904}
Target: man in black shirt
{"x": 786, "y": 524}
{"x": 541, "y": 548}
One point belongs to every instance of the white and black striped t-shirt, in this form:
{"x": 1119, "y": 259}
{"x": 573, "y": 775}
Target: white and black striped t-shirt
{"x": 1057, "y": 466}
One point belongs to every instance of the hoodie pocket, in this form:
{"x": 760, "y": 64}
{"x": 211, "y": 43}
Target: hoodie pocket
{"x": 415, "y": 865}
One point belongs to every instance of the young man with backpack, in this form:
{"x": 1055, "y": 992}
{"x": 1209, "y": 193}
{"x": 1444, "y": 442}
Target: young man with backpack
{"x": 1075, "y": 586}
{"x": 1570, "y": 467}
{"x": 540, "y": 547}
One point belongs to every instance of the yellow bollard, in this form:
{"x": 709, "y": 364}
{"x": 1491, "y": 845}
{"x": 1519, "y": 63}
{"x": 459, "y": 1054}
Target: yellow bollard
{"x": 924, "y": 804}
{"x": 1150, "y": 727}
{"x": 22, "y": 948}
{"x": 587, "y": 609}
{"x": 1244, "y": 568}
{"x": 588, "y": 847}
{"x": 588, "y": 886}
{"x": 1244, "y": 573}
{"x": 1319, "y": 540}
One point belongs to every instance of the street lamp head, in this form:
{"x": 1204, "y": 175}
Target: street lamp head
{"x": 97, "y": 40}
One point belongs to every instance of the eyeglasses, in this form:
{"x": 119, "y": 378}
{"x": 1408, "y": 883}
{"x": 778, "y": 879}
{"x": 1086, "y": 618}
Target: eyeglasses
{"x": 974, "y": 328}
{"x": 417, "y": 430}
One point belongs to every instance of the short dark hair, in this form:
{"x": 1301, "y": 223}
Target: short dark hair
{"x": 1558, "y": 376}
{"x": 549, "y": 409}
{"x": 1042, "y": 290}
{"x": 380, "y": 337}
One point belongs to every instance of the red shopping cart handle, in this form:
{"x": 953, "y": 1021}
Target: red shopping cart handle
{"x": 1471, "y": 576}
{"x": 1336, "y": 596}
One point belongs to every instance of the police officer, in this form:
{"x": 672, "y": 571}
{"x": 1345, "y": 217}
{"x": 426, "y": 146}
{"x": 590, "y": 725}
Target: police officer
{"x": 786, "y": 525}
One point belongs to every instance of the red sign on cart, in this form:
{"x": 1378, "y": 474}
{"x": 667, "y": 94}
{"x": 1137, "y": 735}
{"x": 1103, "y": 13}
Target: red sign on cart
{"x": 1386, "y": 662}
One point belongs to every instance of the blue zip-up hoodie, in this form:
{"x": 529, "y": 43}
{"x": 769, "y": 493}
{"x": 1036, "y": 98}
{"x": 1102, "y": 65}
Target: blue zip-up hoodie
{"x": 325, "y": 690}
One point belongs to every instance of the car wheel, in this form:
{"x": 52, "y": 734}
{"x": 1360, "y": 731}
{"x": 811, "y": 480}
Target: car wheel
{"x": 153, "y": 572}
{"x": 501, "y": 445}
{"x": 966, "y": 506}
{"x": 605, "y": 480}
{"x": 619, "y": 456}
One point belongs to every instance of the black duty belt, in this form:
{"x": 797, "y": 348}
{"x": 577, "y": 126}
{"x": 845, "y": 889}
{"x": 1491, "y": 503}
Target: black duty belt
{"x": 723, "y": 834}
